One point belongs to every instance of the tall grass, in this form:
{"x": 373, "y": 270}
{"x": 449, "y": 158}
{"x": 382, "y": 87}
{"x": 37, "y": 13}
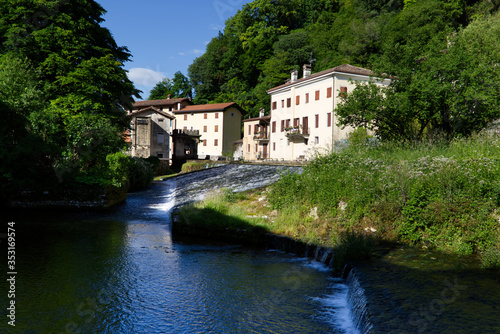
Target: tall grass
{"x": 439, "y": 194}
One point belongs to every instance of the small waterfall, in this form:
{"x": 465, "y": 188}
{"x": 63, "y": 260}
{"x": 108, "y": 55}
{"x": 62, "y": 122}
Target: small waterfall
{"x": 326, "y": 258}
{"x": 358, "y": 303}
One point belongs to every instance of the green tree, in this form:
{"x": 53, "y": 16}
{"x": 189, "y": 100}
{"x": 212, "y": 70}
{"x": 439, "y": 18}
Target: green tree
{"x": 79, "y": 71}
{"x": 454, "y": 91}
{"x": 179, "y": 86}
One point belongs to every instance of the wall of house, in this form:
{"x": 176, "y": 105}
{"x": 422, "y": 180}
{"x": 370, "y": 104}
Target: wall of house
{"x": 151, "y": 136}
{"x": 232, "y": 128}
{"x": 249, "y": 149}
{"x": 254, "y": 149}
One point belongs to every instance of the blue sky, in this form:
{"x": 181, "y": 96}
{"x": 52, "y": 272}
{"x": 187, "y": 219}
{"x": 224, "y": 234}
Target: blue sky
{"x": 165, "y": 36}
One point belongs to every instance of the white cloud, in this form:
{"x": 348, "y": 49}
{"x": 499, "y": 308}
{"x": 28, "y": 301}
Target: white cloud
{"x": 145, "y": 77}
{"x": 181, "y": 53}
{"x": 197, "y": 51}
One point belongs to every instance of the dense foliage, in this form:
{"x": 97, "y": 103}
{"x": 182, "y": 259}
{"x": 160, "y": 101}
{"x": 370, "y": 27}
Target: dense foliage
{"x": 266, "y": 39}
{"x": 452, "y": 90}
{"x": 179, "y": 86}
{"x": 63, "y": 94}
{"x": 439, "y": 195}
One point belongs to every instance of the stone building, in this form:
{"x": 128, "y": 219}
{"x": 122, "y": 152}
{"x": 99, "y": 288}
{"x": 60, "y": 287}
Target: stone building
{"x": 150, "y": 133}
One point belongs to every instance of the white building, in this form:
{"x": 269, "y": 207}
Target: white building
{"x": 302, "y": 118}
{"x": 219, "y": 126}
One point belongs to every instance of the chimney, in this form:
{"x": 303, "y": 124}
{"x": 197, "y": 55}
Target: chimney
{"x": 295, "y": 75}
{"x": 307, "y": 70}
{"x": 169, "y": 96}
{"x": 178, "y": 106}
{"x": 261, "y": 112}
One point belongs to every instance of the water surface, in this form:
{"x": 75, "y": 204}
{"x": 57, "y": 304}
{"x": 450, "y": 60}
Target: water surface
{"x": 120, "y": 272}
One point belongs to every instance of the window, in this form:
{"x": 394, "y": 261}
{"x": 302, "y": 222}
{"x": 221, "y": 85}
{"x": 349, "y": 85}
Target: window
{"x": 256, "y": 128}
{"x": 307, "y": 97}
{"x": 297, "y": 100}
{"x": 216, "y": 115}
{"x": 248, "y": 148}
{"x": 159, "y": 155}
{"x": 316, "y": 140}
{"x": 185, "y": 128}
{"x": 216, "y": 142}
{"x": 217, "y": 128}
{"x": 205, "y": 116}
{"x": 160, "y": 137}
{"x": 249, "y": 129}
{"x": 282, "y": 125}
{"x": 287, "y": 123}
{"x": 329, "y": 92}
{"x": 204, "y": 142}
{"x": 160, "y": 120}
{"x": 316, "y": 121}
{"x": 273, "y": 127}
{"x": 329, "y": 119}
{"x": 232, "y": 114}
{"x": 296, "y": 122}
{"x": 256, "y": 148}
{"x": 289, "y": 102}
{"x": 282, "y": 103}
{"x": 204, "y": 128}
{"x": 274, "y": 146}
{"x": 343, "y": 92}
{"x": 274, "y": 105}
{"x": 317, "y": 95}
{"x": 185, "y": 117}
{"x": 305, "y": 125}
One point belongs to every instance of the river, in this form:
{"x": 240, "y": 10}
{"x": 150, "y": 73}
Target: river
{"x": 119, "y": 271}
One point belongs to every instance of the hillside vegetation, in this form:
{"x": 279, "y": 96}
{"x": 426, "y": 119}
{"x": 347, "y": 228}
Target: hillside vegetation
{"x": 266, "y": 39}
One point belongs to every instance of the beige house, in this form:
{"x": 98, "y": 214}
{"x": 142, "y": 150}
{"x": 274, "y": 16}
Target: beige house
{"x": 218, "y": 125}
{"x": 302, "y": 118}
{"x": 256, "y": 138}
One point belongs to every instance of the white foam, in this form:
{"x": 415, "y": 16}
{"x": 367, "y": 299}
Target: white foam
{"x": 336, "y": 310}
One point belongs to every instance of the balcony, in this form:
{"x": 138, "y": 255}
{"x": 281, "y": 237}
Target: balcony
{"x": 297, "y": 133}
{"x": 261, "y": 136}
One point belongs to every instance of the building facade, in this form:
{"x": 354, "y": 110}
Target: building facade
{"x": 219, "y": 125}
{"x": 303, "y": 122}
{"x": 256, "y": 137}
{"x": 151, "y": 133}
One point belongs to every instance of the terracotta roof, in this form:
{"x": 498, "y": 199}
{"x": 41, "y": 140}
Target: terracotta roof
{"x": 164, "y": 102}
{"x": 265, "y": 118}
{"x": 346, "y": 68}
{"x": 208, "y": 107}
{"x": 167, "y": 114}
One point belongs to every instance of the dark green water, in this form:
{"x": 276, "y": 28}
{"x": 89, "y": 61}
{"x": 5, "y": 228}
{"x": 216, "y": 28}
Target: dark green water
{"x": 121, "y": 272}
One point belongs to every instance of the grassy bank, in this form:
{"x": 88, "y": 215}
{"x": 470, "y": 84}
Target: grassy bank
{"x": 443, "y": 196}
{"x": 437, "y": 196}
